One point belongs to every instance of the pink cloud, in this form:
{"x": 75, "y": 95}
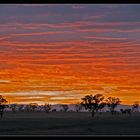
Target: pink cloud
{"x": 106, "y": 38}
{"x": 84, "y": 25}
{"x": 5, "y": 37}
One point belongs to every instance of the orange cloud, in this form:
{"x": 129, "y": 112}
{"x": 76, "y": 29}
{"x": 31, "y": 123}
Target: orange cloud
{"x": 65, "y": 71}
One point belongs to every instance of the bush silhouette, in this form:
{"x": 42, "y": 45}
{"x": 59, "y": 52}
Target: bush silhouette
{"x": 2, "y": 105}
{"x": 93, "y": 103}
{"x": 112, "y": 103}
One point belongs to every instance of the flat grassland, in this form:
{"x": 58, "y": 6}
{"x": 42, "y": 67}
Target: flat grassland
{"x": 68, "y": 123}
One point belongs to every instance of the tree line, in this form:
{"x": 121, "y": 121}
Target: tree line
{"x": 92, "y": 103}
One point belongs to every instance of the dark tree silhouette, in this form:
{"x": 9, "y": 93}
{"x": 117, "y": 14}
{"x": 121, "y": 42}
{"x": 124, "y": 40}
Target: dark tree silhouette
{"x": 13, "y": 107}
{"x": 93, "y": 103}
{"x": 3, "y": 101}
{"x": 33, "y": 106}
{"x": 101, "y": 106}
{"x": 112, "y": 103}
{"x": 135, "y": 106}
{"x": 65, "y": 107}
{"x": 54, "y": 110}
{"x": 126, "y": 111}
{"x": 28, "y": 108}
{"x": 47, "y": 108}
{"x": 78, "y": 107}
{"x": 20, "y": 108}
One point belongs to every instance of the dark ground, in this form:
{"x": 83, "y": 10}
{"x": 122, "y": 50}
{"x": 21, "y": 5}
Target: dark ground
{"x": 68, "y": 123}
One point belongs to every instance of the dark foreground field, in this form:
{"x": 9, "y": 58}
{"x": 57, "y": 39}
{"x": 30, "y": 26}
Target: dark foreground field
{"x": 69, "y": 123}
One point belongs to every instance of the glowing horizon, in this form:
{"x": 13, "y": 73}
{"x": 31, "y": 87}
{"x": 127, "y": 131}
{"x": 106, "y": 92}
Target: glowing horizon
{"x": 60, "y": 53}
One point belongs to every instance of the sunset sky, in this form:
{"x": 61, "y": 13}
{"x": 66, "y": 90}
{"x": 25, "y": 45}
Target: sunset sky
{"x": 60, "y": 53}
